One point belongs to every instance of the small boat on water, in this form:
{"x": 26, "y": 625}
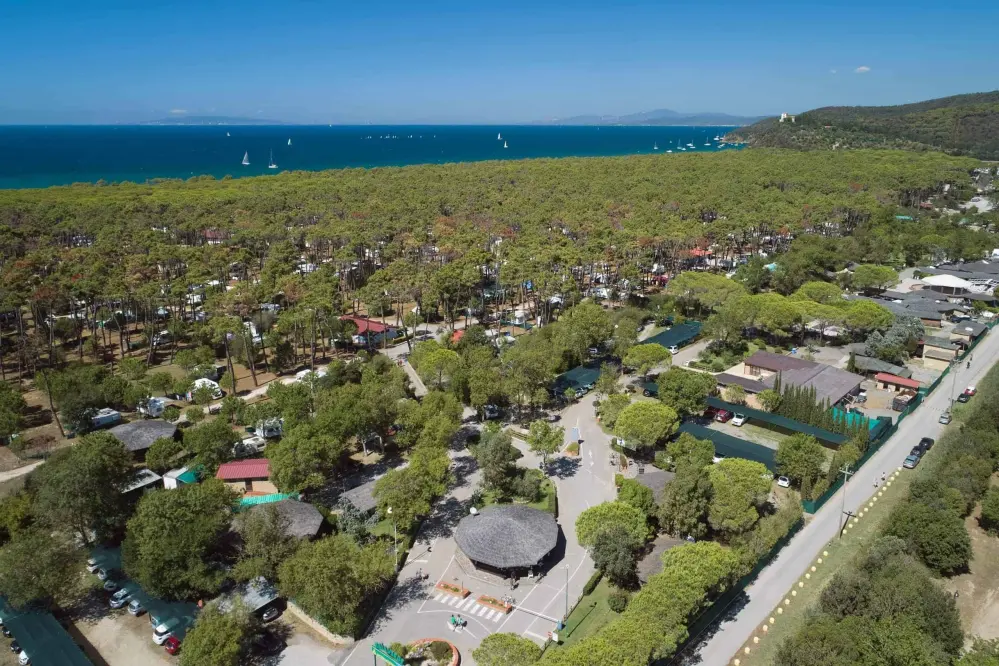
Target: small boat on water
{"x": 499, "y": 137}
{"x": 504, "y": 144}
{"x": 289, "y": 142}
{"x": 227, "y": 134}
{"x": 690, "y": 145}
{"x": 669, "y": 151}
{"x": 246, "y": 158}
{"x": 271, "y": 164}
{"x": 655, "y": 146}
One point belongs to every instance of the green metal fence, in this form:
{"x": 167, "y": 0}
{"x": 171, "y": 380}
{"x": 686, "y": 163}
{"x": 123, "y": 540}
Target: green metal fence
{"x": 811, "y": 506}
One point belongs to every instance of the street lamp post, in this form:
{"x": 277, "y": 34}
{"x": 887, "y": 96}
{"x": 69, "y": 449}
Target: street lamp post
{"x": 845, "y": 471}
{"x": 395, "y": 539}
{"x": 566, "y": 615}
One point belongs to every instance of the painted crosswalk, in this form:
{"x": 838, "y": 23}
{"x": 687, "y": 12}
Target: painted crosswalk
{"x": 469, "y": 606}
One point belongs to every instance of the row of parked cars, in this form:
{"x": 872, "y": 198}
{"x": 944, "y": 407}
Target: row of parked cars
{"x": 22, "y": 657}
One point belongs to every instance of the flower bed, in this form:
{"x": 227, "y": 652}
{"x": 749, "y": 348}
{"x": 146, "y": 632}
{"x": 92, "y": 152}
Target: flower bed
{"x": 453, "y": 589}
{"x": 415, "y": 646}
{"x": 572, "y": 449}
{"x": 495, "y": 603}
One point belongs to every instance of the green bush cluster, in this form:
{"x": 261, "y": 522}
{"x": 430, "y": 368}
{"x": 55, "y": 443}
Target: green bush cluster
{"x": 886, "y": 608}
{"x": 655, "y": 620}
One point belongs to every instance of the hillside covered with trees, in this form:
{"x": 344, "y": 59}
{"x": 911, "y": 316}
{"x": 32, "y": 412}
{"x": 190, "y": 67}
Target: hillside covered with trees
{"x": 960, "y": 125}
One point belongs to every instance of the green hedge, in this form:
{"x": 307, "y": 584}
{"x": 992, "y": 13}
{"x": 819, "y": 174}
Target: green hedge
{"x": 592, "y": 583}
{"x": 655, "y": 621}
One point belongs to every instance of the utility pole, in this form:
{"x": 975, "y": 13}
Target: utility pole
{"x": 845, "y": 471}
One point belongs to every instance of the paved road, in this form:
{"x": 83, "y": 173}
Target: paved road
{"x": 774, "y": 581}
{"x": 415, "y": 609}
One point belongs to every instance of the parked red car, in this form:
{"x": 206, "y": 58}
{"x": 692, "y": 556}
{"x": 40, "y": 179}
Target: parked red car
{"x": 171, "y": 645}
{"x": 723, "y": 416}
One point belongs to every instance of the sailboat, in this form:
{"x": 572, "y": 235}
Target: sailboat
{"x": 270, "y": 164}
{"x": 246, "y": 158}
{"x": 227, "y": 134}
{"x": 655, "y": 146}
{"x": 504, "y": 144}
{"x": 289, "y": 142}
{"x": 499, "y": 137}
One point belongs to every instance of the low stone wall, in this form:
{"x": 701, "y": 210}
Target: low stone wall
{"x": 336, "y": 639}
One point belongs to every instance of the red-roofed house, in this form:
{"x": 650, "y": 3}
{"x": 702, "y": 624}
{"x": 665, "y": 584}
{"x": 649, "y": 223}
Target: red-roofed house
{"x": 250, "y": 476}
{"x": 368, "y": 330}
{"x": 895, "y": 383}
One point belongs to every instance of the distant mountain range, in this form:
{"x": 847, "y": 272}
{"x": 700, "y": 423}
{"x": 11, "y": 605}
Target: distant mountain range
{"x": 662, "y": 117}
{"x": 962, "y": 125}
{"x": 211, "y": 120}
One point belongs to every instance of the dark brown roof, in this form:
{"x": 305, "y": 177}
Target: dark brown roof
{"x": 140, "y": 435}
{"x": 751, "y": 385}
{"x": 777, "y": 362}
{"x": 300, "y": 519}
{"x": 507, "y": 536}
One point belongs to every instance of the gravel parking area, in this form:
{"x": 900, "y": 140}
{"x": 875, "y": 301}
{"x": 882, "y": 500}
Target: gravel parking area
{"x": 119, "y": 639}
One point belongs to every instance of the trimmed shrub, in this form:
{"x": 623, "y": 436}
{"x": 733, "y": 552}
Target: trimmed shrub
{"x": 441, "y": 652}
{"x": 618, "y": 601}
{"x": 592, "y": 583}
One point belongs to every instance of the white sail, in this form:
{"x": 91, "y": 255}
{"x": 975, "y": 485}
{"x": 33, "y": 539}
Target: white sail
{"x": 499, "y": 137}
{"x": 289, "y": 142}
{"x": 504, "y": 144}
{"x": 246, "y": 158}
{"x": 227, "y": 134}
{"x": 271, "y": 164}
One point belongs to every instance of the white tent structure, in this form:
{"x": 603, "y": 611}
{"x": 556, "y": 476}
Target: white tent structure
{"x": 948, "y": 284}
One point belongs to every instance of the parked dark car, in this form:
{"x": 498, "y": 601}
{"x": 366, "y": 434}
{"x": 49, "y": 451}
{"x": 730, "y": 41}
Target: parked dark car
{"x": 723, "y": 416}
{"x": 964, "y": 397}
{"x": 926, "y": 443}
{"x": 15, "y": 647}
{"x": 917, "y": 451}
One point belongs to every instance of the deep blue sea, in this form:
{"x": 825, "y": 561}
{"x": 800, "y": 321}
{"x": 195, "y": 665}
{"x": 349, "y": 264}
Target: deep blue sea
{"x": 40, "y": 156}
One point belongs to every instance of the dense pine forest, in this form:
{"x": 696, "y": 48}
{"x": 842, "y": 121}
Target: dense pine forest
{"x": 961, "y": 125}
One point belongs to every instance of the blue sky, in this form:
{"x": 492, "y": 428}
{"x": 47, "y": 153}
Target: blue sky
{"x": 480, "y": 61}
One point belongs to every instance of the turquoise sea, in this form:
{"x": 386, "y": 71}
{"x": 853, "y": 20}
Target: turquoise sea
{"x": 40, "y": 156}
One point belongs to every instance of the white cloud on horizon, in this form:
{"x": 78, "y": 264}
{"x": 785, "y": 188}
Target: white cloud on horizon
{"x": 832, "y": 71}
{"x": 178, "y": 112}
{"x": 863, "y": 69}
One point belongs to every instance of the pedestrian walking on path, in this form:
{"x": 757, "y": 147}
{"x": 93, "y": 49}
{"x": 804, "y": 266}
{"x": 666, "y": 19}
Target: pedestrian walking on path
{"x": 884, "y": 475}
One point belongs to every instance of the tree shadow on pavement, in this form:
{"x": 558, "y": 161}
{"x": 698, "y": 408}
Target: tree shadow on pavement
{"x": 563, "y": 467}
{"x": 441, "y": 523}
{"x": 92, "y": 607}
{"x": 404, "y": 593}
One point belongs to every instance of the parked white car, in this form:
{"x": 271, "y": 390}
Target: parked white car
{"x": 783, "y": 482}
{"x": 739, "y": 419}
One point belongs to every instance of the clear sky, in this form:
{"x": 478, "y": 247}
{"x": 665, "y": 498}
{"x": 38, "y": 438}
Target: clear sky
{"x": 480, "y": 61}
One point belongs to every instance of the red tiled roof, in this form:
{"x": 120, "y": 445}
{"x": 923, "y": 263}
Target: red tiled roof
{"x": 365, "y": 326}
{"x": 251, "y": 468}
{"x": 896, "y": 380}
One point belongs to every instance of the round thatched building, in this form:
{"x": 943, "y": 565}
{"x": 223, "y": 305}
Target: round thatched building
{"x": 507, "y": 537}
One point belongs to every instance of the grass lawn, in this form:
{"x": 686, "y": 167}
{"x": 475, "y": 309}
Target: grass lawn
{"x": 841, "y": 553}
{"x": 589, "y": 615}
{"x": 547, "y": 490}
